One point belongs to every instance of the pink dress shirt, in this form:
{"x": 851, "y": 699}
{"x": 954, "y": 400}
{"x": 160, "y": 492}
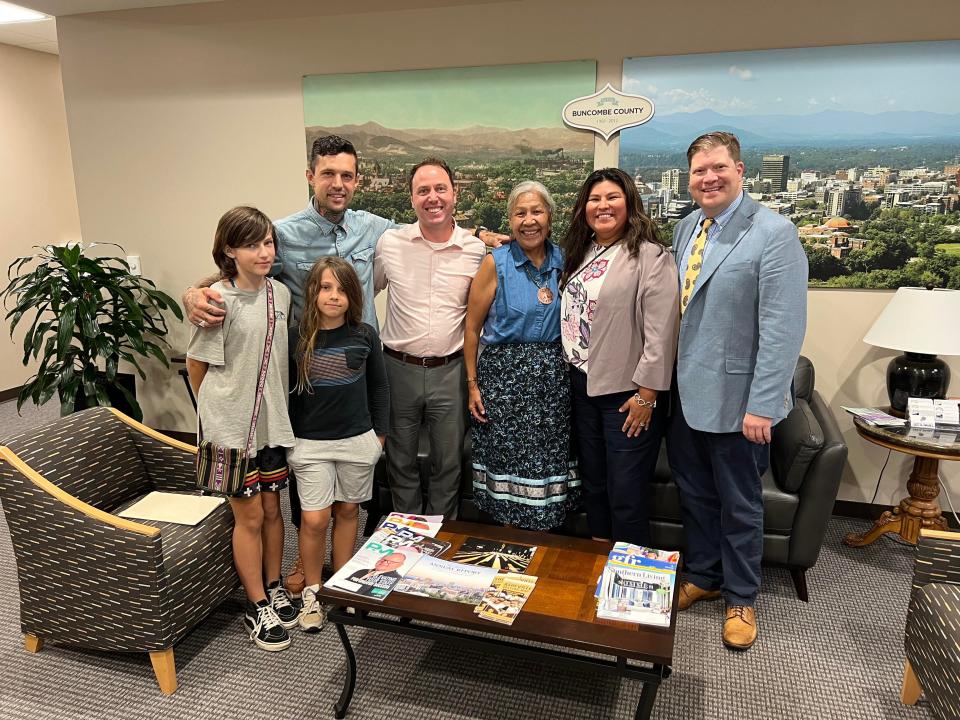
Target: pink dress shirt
{"x": 428, "y": 287}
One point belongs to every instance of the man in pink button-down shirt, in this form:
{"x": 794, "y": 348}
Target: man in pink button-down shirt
{"x": 428, "y": 267}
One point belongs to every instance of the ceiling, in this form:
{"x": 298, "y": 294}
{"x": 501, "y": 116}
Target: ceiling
{"x": 42, "y": 34}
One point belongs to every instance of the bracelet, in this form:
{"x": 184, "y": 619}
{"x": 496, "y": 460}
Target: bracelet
{"x": 644, "y": 403}
{"x": 471, "y": 380}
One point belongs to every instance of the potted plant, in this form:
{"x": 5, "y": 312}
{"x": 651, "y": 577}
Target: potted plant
{"x": 87, "y": 313}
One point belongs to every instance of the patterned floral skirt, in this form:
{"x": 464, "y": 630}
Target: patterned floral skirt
{"x": 523, "y": 472}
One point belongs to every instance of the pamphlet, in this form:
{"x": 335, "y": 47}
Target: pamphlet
{"x": 505, "y": 597}
{"x": 505, "y": 557}
{"x": 445, "y": 580}
{"x": 872, "y": 416}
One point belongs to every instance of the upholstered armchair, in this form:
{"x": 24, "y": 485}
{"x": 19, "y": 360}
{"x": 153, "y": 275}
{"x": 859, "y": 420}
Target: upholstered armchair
{"x": 932, "y": 639}
{"x": 89, "y": 578}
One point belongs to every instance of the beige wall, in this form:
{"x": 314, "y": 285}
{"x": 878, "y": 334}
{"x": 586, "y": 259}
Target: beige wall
{"x": 38, "y": 202}
{"x": 176, "y": 115}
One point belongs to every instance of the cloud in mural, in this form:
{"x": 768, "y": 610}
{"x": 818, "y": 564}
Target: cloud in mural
{"x": 741, "y": 73}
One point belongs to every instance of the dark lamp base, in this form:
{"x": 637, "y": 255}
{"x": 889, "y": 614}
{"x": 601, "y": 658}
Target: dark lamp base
{"x": 916, "y": 375}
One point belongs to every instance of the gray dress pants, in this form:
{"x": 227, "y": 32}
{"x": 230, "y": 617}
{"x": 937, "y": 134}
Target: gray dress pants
{"x": 435, "y": 398}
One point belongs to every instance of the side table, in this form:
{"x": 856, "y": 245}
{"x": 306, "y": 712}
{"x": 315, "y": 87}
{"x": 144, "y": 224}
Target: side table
{"x": 920, "y": 509}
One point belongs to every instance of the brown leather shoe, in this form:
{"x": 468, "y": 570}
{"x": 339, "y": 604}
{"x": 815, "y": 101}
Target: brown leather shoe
{"x": 294, "y": 581}
{"x": 740, "y": 627}
{"x": 690, "y": 593}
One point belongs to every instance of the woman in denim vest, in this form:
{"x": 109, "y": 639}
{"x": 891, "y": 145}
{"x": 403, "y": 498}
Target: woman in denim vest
{"x": 519, "y": 392}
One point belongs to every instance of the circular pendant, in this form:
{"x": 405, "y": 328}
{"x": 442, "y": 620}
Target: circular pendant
{"x": 545, "y": 295}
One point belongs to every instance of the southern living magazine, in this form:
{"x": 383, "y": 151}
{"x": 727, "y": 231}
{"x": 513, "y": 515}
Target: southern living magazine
{"x": 375, "y": 569}
{"x": 444, "y": 580}
{"x": 637, "y": 585}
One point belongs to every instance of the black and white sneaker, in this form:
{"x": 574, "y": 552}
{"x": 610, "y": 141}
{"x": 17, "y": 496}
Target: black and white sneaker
{"x": 280, "y": 601}
{"x": 264, "y": 627}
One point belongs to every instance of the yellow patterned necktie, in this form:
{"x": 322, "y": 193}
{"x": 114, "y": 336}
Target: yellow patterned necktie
{"x": 694, "y": 264}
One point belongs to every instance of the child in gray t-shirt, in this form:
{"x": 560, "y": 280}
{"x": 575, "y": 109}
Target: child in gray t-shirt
{"x": 224, "y": 363}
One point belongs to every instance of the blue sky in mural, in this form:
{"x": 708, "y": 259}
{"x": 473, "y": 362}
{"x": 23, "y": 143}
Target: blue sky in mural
{"x": 858, "y": 78}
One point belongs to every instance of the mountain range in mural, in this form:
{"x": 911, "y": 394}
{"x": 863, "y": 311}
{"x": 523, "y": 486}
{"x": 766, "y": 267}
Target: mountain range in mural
{"x": 374, "y": 140}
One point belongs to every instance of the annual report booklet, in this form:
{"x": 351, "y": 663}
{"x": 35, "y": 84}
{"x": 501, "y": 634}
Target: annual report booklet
{"x": 374, "y": 571}
{"x": 505, "y": 597}
{"x": 444, "y": 580}
{"x": 505, "y": 557}
{"x": 637, "y": 585}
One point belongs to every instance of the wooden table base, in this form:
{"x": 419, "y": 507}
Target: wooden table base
{"x": 920, "y": 510}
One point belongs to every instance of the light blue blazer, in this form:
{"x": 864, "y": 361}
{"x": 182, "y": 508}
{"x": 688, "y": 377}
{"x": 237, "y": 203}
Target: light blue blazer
{"x": 744, "y": 324}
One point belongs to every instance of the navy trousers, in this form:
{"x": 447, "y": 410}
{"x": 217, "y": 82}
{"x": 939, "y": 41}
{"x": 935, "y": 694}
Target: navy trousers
{"x": 718, "y": 475}
{"x": 615, "y": 471}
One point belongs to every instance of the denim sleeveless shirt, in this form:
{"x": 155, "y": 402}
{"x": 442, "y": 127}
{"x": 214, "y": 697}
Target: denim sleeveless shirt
{"x": 516, "y": 314}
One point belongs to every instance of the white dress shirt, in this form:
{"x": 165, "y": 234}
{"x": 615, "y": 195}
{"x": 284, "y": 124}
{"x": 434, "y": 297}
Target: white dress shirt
{"x": 428, "y": 287}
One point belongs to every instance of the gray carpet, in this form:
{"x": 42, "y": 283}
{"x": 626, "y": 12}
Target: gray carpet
{"x": 840, "y": 656}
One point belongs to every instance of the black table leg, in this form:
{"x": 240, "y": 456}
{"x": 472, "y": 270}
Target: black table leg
{"x": 340, "y": 707}
{"x": 647, "y": 697}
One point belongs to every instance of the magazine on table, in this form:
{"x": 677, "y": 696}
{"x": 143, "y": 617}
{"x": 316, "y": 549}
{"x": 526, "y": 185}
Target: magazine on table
{"x": 504, "y": 557}
{"x": 374, "y": 571}
{"x": 444, "y": 580}
{"x": 637, "y": 585}
{"x": 428, "y": 525}
{"x": 505, "y": 597}
{"x": 405, "y": 536}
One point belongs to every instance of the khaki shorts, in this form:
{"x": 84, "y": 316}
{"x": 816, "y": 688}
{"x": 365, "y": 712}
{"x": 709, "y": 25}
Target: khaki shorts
{"x": 330, "y": 471}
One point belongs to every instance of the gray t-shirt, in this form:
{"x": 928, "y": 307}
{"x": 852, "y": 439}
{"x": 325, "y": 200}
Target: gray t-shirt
{"x": 233, "y": 351}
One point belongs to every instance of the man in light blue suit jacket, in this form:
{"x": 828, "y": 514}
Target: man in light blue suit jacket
{"x": 743, "y": 299}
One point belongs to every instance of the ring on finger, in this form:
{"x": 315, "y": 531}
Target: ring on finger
{"x": 201, "y": 323}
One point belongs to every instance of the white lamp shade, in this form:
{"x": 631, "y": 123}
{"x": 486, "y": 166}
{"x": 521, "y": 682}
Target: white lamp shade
{"x": 920, "y": 321}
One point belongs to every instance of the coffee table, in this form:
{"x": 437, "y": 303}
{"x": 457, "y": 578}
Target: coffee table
{"x": 920, "y": 509}
{"x": 560, "y": 616}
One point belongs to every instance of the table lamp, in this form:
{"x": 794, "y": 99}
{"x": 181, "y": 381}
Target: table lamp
{"x": 923, "y": 323}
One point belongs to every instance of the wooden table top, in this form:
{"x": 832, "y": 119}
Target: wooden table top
{"x": 561, "y": 611}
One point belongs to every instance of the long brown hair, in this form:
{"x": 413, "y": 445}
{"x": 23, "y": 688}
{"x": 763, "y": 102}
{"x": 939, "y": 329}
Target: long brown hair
{"x": 238, "y": 226}
{"x": 310, "y": 320}
{"x": 640, "y": 228}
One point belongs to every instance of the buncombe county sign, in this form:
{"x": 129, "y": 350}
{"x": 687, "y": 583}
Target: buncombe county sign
{"x": 608, "y": 111}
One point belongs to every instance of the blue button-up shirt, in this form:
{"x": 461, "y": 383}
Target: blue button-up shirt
{"x": 718, "y": 224}
{"x": 306, "y": 236}
{"x": 517, "y": 315}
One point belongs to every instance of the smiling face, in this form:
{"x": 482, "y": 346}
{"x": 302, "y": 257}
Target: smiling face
{"x": 253, "y": 260}
{"x": 606, "y": 211}
{"x": 434, "y": 200}
{"x": 530, "y": 221}
{"x": 334, "y": 180}
{"x": 388, "y": 563}
{"x": 332, "y": 300}
{"x": 715, "y": 180}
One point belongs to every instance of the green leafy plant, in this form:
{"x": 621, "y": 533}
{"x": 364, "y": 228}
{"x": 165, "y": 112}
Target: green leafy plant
{"x": 86, "y": 313}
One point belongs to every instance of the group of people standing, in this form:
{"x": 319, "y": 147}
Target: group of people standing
{"x": 563, "y": 355}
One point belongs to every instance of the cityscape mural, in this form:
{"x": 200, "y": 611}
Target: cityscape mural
{"x": 858, "y": 145}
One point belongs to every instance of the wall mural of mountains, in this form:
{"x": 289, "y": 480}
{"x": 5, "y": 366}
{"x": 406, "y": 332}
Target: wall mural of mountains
{"x": 374, "y": 140}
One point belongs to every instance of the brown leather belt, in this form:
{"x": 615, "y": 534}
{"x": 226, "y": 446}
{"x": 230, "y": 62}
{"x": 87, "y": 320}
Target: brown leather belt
{"x": 427, "y": 362}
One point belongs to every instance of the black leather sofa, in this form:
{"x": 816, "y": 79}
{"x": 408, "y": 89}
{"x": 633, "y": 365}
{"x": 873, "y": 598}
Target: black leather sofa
{"x": 806, "y": 460}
